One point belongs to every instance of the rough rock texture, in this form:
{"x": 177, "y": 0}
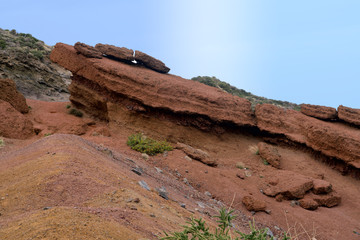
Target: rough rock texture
{"x": 289, "y": 184}
{"x": 151, "y": 62}
{"x": 122, "y": 87}
{"x": 13, "y": 124}
{"x": 197, "y": 154}
{"x": 119, "y": 53}
{"x": 87, "y": 51}
{"x": 329, "y": 200}
{"x": 333, "y": 140}
{"x": 9, "y": 94}
{"x": 321, "y": 112}
{"x": 253, "y": 204}
{"x": 321, "y": 186}
{"x": 270, "y": 154}
{"x": 308, "y": 203}
{"x": 350, "y": 115}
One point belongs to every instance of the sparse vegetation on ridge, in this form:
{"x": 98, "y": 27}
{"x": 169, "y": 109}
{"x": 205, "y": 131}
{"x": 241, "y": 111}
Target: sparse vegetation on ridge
{"x": 76, "y": 112}
{"x": 143, "y": 144}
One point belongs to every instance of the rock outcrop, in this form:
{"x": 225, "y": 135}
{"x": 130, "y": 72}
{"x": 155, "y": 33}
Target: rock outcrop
{"x": 151, "y": 62}
{"x": 118, "y": 53}
{"x": 350, "y": 115}
{"x": 197, "y": 154}
{"x": 321, "y": 112}
{"x": 270, "y": 154}
{"x": 253, "y": 204}
{"x": 87, "y": 51}
{"x": 9, "y": 94}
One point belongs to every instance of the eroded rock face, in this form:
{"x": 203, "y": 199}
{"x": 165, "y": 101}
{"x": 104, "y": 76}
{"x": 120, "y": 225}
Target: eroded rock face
{"x": 120, "y": 53}
{"x": 321, "y": 186}
{"x": 253, "y": 204}
{"x": 350, "y": 115}
{"x": 151, "y": 62}
{"x": 87, "y": 51}
{"x": 9, "y": 94}
{"x": 100, "y": 84}
{"x": 329, "y": 200}
{"x": 321, "y": 112}
{"x": 270, "y": 154}
{"x": 13, "y": 124}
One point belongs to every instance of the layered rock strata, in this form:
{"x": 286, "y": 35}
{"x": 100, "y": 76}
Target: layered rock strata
{"x": 321, "y": 112}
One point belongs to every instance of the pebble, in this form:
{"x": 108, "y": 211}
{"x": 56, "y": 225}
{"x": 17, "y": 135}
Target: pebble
{"x": 144, "y": 185}
{"x": 158, "y": 170}
{"x": 138, "y": 171}
{"x": 183, "y": 205}
{"x": 46, "y": 208}
{"x": 268, "y": 211}
{"x": 162, "y": 193}
{"x": 152, "y": 215}
{"x": 185, "y": 181}
{"x": 145, "y": 156}
{"x": 200, "y": 204}
{"x": 208, "y": 194}
{"x": 188, "y": 158}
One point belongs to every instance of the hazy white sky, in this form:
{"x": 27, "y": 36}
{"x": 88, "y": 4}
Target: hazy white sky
{"x": 299, "y": 51}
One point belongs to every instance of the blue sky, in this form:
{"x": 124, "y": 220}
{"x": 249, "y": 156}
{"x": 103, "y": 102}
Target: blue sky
{"x": 298, "y": 51}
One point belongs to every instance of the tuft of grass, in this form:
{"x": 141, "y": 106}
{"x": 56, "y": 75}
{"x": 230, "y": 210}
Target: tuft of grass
{"x": 75, "y": 112}
{"x": 265, "y": 162}
{"x": 143, "y": 144}
{"x": 47, "y": 134}
{"x": 2, "y": 142}
{"x": 68, "y": 106}
{"x": 254, "y": 149}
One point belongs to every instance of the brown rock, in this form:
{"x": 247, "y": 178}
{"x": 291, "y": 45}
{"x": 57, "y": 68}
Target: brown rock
{"x": 197, "y": 154}
{"x": 13, "y": 124}
{"x": 151, "y": 62}
{"x": 253, "y": 204}
{"x": 9, "y": 94}
{"x": 321, "y": 112}
{"x": 87, "y": 51}
{"x": 321, "y": 186}
{"x": 350, "y": 115}
{"x": 119, "y": 53}
{"x": 329, "y": 200}
{"x": 270, "y": 154}
{"x": 290, "y": 184}
{"x": 308, "y": 203}
{"x": 279, "y": 198}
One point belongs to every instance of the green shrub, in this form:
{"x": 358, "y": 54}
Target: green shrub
{"x": 2, "y": 44}
{"x": 38, "y": 54}
{"x": 196, "y": 230}
{"x": 143, "y": 144}
{"x": 68, "y": 106}
{"x": 75, "y": 112}
{"x": 2, "y": 142}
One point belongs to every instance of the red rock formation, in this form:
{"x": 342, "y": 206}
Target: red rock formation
{"x": 151, "y": 62}
{"x": 103, "y": 85}
{"x": 270, "y": 154}
{"x": 350, "y": 115}
{"x": 9, "y": 94}
{"x": 321, "y": 112}
{"x": 118, "y": 53}
{"x": 253, "y": 204}
{"x": 87, "y": 51}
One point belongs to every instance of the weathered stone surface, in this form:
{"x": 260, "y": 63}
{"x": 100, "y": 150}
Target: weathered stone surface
{"x": 308, "y": 203}
{"x": 9, "y": 94}
{"x": 334, "y": 140}
{"x": 350, "y": 115}
{"x": 321, "y": 112}
{"x": 120, "y": 53}
{"x": 328, "y": 200}
{"x": 253, "y": 204}
{"x": 13, "y": 124}
{"x": 124, "y": 87}
{"x": 289, "y": 184}
{"x": 87, "y": 51}
{"x": 197, "y": 154}
{"x": 321, "y": 186}
{"x": 270, "y": 154}
{"x": 151, "y": 62}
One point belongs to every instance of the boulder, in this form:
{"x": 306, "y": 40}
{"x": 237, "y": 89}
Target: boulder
{"x": 350, "y": 115}
{"x": 197, "y": 154}
{"x": 321, "y": 186}
{"x": 328, "y": 200}
{"x": 270, "y": 154}
{"x": 289, "y": 184}
{"x": 87, "y": 51}
{"x": 253, "y": 204}
{"x": 321, "y": 112}
{"x": 119, "y": 53}
{"x": 151, "y": 62}
{"x": 9, "y": 94}
{"x": 13, "y": 124}
{"x": 308, "y": 203}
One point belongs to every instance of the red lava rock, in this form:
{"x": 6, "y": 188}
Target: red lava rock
{"x": 308, "y": 203}
{"x": 120, "y": 53}
{"x": 321, "y": 186}
{"x": 329, "y": 200}
{"x": 9, "y": 94}
{"x": 270, "y": 154}
{"x": 321, "y": 112}
{"x": 87, "y": 51}
{"x": 350, "y": 115}
{"x": 197, "y": 154}
{"x": 151, "y": 62}
{"x": 13, "y": 124}
{"x": 291, "y": 185}
{"x": 253, "y": 204}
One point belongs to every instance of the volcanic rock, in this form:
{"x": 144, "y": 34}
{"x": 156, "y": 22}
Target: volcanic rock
{"x": 119, "y": 53}
{"x": 321, "y": 112}
{"x": 253, "y": 204}
{"x": 197, "y": 154}
{"x": 329, "y": 200}
{"x": 87, "y": 51}
{"x": 151, "y": 62}
{"x": 308, "y": 203}
{"x": 321, "y": 186}
{"x": 13, "y": 124}
{"x": 9, "y": 94}
{"x": 350, "y": 115}
{"x": 270, "y": 154}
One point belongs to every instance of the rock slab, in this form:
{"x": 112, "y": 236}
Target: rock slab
{"x": 9, "y": 94}
{"x": 270, "y": 154}
{"x": 321, "y": 112}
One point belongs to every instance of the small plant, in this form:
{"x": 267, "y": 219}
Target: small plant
{"x": 75, "y": 112}
{"x": 2, "y": 142}
{"x": 2, "y": 44}
{"x": 47, "y": 134}
{"x": 265, "y": 162}
{"x": 68, "y": 106}
{"x": 143, "y": 144}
